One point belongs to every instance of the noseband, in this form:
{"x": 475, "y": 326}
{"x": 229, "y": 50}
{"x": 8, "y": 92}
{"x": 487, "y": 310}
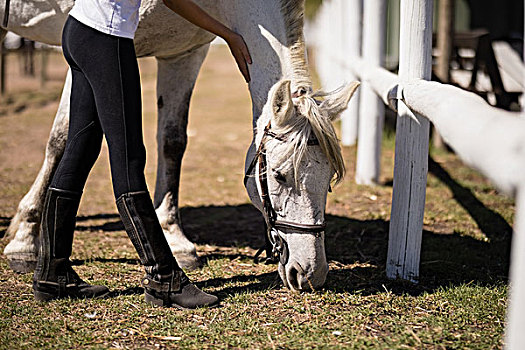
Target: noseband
{"x": 275, "y": 246}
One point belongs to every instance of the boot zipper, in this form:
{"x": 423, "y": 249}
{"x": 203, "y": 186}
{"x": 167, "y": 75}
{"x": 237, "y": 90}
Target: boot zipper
{"x": 136, "y": 233}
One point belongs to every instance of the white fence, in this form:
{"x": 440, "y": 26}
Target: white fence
{"x": 486, "y": 138}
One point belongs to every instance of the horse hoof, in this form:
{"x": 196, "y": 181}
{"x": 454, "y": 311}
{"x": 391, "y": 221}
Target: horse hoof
{"x": 22, "y": 266}
{"x": 188, "y": 262}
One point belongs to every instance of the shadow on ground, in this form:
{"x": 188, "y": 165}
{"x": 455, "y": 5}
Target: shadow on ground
{"x": 357, "y": 249}
{"x": 492, "y": 224}
{"x": 4, "y": 223}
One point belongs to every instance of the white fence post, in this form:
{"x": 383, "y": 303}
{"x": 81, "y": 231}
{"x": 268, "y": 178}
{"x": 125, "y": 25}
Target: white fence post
{"x": 352, "y": 13}
{"x": 335, "y": 37}
{"x": 411, "y": 154}
{"x": 329, "y": 46}
{"x": 515, "y": 333}
{"x": 321, "y": 44}
{"x": 515, "y": 336}
{"x": 336, "y": 45}
{"x": 372, "y": 110}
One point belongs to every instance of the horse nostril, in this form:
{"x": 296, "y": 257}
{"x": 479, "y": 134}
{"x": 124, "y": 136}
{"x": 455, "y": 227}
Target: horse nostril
{"x": 293, "y": 278}
{"x": 296, "y": 277}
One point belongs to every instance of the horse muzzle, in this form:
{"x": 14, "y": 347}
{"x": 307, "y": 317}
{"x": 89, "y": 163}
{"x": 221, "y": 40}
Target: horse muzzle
{"x": 306, "y": 267}
{"x": 299, "y": 279}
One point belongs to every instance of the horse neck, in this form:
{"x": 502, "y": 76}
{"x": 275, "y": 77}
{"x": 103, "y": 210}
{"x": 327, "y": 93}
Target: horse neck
{"x": 263, "y": 25}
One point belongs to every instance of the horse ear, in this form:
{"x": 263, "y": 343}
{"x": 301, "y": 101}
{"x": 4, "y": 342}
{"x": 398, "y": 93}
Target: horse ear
{"x": 337, "y": 102}
{"x": 282, "y": 104}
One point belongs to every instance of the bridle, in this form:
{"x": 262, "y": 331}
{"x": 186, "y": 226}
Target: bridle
{"x": 275, "y": 246}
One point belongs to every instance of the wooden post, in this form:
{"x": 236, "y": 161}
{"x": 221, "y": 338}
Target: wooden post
{"x": 29, "y": 53}
{"x": 445, "y": 39}
{"x": 2, "y": 68}
{"x": 445, "y": 44}
{"x": 372, "y": 110}
{"x": 515, "y": 335}
{"x": 352, "y": 13}
{"x": 43, "y": 68}
{"x": 411, "y": 154}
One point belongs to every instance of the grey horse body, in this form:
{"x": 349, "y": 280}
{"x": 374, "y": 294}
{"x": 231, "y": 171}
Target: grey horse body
{"x": 277, "y": 51}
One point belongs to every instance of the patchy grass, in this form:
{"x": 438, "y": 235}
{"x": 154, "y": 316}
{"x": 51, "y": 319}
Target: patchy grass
{"x": 257, "y": 313}
{"x": 459, "y": 302}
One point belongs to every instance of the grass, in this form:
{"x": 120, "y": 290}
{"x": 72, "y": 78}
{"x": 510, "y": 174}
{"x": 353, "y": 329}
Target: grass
{"x": 257, "y": 313}
{"x": 459, "y": 302}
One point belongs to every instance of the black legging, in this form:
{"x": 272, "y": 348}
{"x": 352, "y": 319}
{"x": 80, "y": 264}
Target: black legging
{"x": 105, "y": 100}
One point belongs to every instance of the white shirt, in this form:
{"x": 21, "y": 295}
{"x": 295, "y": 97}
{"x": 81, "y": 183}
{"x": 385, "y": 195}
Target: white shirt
{"x": 115, "y": 17}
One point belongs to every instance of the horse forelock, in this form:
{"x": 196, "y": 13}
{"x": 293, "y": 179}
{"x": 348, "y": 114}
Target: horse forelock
{"x": 310, "y": 119}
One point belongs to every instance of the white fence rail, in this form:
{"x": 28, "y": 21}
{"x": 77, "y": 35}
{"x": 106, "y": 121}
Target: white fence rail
{"x": 489, "y": 139}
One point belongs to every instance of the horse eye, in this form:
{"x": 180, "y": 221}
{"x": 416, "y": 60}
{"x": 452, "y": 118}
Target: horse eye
{"x": 279, "y": 177}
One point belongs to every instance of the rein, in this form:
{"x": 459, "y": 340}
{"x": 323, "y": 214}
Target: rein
{"x": 275, "y": 246}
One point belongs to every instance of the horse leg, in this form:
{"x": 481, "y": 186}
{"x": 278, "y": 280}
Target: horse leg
{"x": 175, "y": 82}
{"x": 22, "y": 251}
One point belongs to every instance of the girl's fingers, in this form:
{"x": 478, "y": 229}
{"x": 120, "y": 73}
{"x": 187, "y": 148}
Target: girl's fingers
{"x": 243, "y": 67}
{"x": 242, "y": 55}
{"x": 246, "y": 59}
{"x": 246, "y": 52}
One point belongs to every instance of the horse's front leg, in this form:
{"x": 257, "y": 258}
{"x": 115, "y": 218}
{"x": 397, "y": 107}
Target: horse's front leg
{"x": 175, "y": 82}
{"x": 22, "y": 251}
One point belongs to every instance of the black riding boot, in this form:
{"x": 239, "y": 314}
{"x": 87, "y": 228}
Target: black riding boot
{"x": 165, "y": 284}
{"x": 54, "y": 277}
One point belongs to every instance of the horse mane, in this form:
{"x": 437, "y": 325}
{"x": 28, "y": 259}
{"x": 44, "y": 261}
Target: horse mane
{"x": 293, "y": 14}
{"x": 309, "y": 119}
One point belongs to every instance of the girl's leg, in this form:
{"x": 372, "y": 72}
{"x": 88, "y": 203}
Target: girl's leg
{"x": 111, "y": 71}
{"x": 109, "y": 64}
{"x": 84, "y": 138}
{"x": 54, "y": 276}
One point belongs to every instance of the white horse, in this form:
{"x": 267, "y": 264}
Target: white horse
{"x": 273, "y": 31}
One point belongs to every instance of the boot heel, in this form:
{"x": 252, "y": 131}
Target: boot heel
{"x": 43, "y": 297}
{"x": 150, "y": 299}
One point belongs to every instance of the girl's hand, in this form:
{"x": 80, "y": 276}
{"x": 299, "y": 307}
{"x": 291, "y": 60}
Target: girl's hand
{"x": 240, "y": 52}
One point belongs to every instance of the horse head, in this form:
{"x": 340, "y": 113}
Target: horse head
{"x": 298, "y": 156}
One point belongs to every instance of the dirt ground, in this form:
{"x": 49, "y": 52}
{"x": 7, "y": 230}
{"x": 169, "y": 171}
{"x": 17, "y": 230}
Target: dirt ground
{"x": 467, "y": 223}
